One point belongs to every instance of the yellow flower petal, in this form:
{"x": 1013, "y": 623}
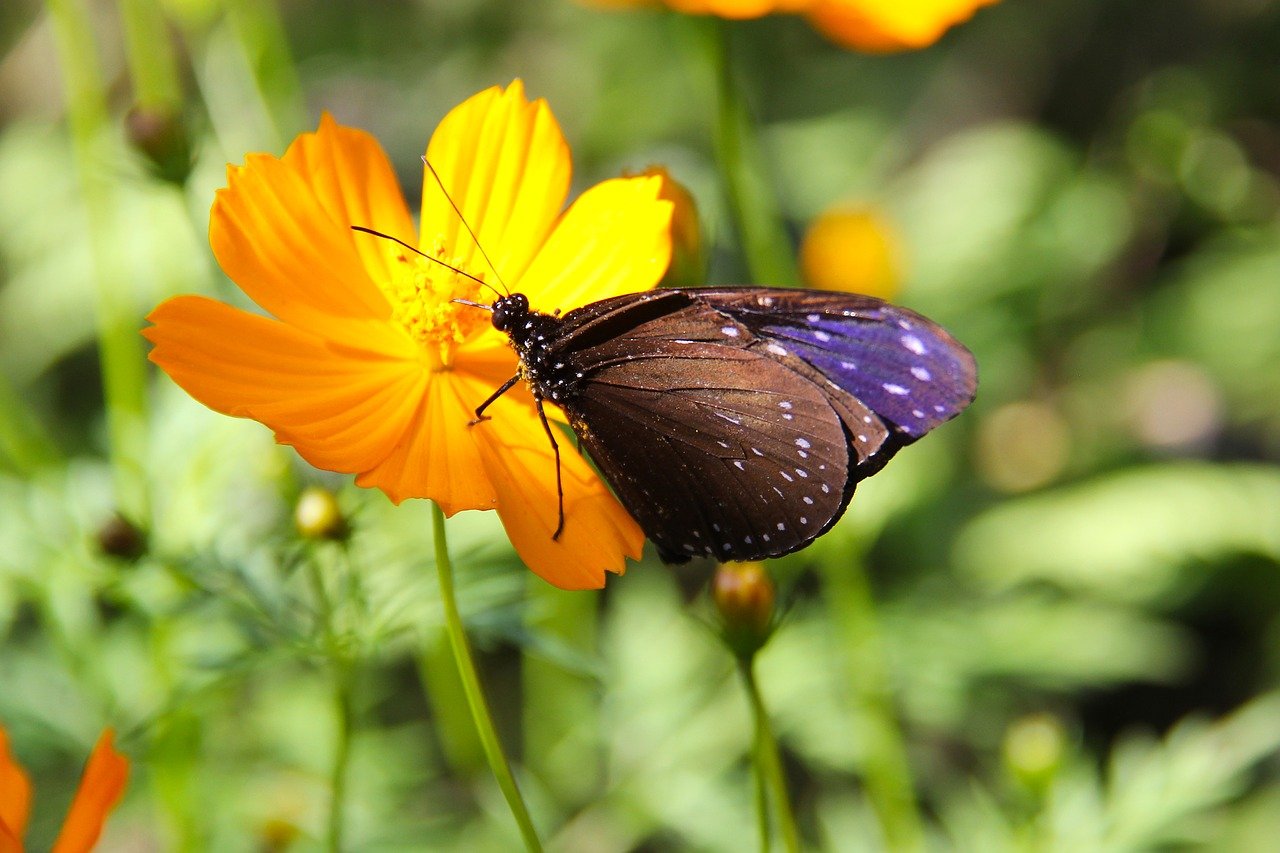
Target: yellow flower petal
{"x": 506, "y": 166}
{"x": 15, "y": 799}
{"x": 598, "y": 532}
{"x": 615, "y": 239}
{"x": 355, "y": 185}
{"x": 101, "y": 787}
{"x": 287, "y": 243}
{"x": 890, "y": 25}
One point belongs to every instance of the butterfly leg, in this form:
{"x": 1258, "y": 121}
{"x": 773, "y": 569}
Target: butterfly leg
{"x": 542, "y": 415}
{"x": 506, "y": 386}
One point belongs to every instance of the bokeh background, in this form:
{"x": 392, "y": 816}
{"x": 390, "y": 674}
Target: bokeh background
{"x": 1060, "y": 608}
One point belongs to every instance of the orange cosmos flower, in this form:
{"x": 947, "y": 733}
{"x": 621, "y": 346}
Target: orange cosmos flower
{"x": 366, "y": 366}
{"x": 885, "y": 26}
{"x": 876, "y": 26}
{"x": 852, "y": 249}
{"x": 100, "y": 789}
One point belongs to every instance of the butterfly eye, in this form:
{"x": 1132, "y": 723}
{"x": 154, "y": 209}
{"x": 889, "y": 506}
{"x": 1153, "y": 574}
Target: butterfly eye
{"x": 500, "y": 318}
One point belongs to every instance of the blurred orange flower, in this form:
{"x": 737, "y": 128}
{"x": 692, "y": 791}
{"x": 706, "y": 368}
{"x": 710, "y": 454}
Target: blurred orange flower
{"x": 852, "y": 249}
{"x": 368, "y": 367}
{"x": 100, "y": 789}
{"x": 875, "y": 26}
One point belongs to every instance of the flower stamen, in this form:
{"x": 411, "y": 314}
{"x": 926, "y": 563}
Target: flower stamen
{"x": 421, "y": 294}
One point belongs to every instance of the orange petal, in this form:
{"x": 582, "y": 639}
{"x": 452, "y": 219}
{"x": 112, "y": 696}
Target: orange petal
{"x": 344, "y": 410}
{"x": 437, "y": 457}
{"x": 284, "y": 236}
{"x": 736, "y": 8}
{"x": 615, "y": 239}
{"x": 355, "y": 184}
{"x": 100, "y": 789}
{"x": 877, "y": 26}
{"x": 504, "y": 162}
{"x": 598, "y": 533}
{"x": 15, "y": 799}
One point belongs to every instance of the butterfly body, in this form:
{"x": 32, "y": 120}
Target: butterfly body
{"x": 734, "y": 423}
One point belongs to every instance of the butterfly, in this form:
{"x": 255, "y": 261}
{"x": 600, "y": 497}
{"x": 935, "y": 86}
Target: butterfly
{"x": 734, "y": 423}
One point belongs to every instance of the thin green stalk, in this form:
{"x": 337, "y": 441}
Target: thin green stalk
{"x": 886, "y": 770}
{"x": 342, "y": 670}
{"x": 471, "y": 686}
{"x": 150, "y": 54}
{"x": 344, "y": 707}
{"x": 765, "y": 244}
{"x": 119, "y": 345}
{"x": 768, "y": 765}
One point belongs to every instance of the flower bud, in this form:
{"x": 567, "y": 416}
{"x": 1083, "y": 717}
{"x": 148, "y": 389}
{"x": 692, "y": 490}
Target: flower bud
{"x": 119, "y": 537}
{"x": 161, "y": 136}
{"x": 744, "y": 598}
{"x": 318, "y": 516}
{"x": 1034, "y": 747}
{"x": 852, "y": 250}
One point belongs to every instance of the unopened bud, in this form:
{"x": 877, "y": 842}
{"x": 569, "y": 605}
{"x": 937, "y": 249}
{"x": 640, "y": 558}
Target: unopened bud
{"x": 161, "y": 136}
{"x": 744, "y": 598}
{"x": 318, "y": 516}
{"x": 119, "y": 537}
{"x": 1034, "y": 747}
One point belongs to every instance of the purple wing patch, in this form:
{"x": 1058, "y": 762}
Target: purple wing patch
{"x": 902, "y": 366}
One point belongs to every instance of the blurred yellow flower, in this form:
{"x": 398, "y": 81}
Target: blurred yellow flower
{"x": 367, "y": 366}
{"x": 100, "y": 789}
{"x": 876, "y": 26}
{"x": 852, "y": 250}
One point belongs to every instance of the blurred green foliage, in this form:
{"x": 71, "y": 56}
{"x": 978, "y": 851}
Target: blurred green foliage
{"x": 1076, "y": 585}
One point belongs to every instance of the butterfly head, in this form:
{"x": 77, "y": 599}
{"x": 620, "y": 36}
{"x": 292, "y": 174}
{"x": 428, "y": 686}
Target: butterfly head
{"x": 509, "y": 311}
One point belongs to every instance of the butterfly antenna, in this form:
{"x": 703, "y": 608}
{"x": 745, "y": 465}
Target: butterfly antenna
{"x": 463, "y": 220}
{"x": 417, "y": 251}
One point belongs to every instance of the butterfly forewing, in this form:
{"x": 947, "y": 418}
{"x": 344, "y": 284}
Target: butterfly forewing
{"x": 903, "y": 366}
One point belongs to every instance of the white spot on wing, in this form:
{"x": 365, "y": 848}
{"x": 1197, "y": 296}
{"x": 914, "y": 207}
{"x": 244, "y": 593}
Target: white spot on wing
{"x": 776, "y": 350}
{"x": 785, "y": 404}
{"x": 822, "y": 336}
{"x": 787, "y": 477}
{"x": 729, "y": 331}
{"x": 895, "y": 389}
{"x": 737, "y": 463}
{"x": 912, "y": 343}
{"x": 921, "y": 373}
{"x": 804, "y": 443}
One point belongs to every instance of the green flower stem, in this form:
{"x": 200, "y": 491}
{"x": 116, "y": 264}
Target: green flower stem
{"x": 342, "y": 667}
{"x": 261, "y": 34}
{"x": 345, "y": 713}
{"x": 150, "y": 55}
{"x": 119, "y": 345}
{"x": 471, "y": 686}
{"x": 768, "y": 765}
{"x": 886, "y": 770}
{"x": 765, "y": 244}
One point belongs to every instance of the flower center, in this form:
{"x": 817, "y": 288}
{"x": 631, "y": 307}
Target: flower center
{"x": 421, "y": 294}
